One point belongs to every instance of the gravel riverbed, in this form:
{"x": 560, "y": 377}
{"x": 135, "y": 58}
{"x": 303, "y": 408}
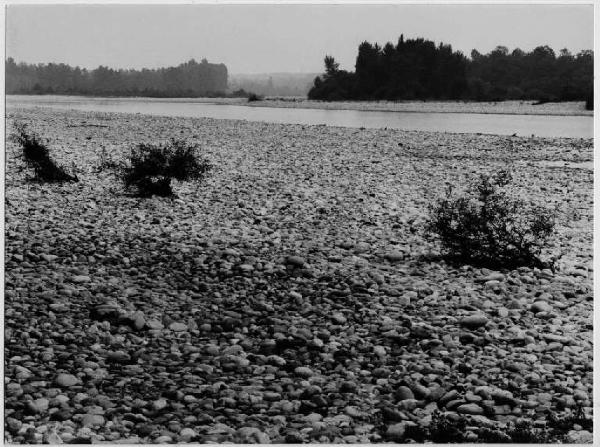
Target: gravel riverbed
{"x": 292, "y": 297}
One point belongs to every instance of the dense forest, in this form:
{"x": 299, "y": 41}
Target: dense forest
{"x": 418, "y": 69}
{"x": 190, "y": 79}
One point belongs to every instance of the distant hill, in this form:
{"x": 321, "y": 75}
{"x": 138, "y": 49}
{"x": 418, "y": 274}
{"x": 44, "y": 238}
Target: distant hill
{"x": 190, "y": 79}
{"x": 273, "y": 84}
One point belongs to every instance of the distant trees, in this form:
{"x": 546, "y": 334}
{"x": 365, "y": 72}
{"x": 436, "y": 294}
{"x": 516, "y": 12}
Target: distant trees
{"x": 190, "y": 79}
{"x": 413, "y": 69}
{"x": 418, "y": 69}
{"x": 538, "y": 75}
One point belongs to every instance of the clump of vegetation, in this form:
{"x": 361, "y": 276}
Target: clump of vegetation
{"x": 37, "y": 157}
{"x": 488, "y": 227}
{"x": 577, "y": 417}
{"x": 254, "y": 97}
{"x": 445, "y": 430}
{"x": 523, "y": 432}
{"x": 151, "y": 168}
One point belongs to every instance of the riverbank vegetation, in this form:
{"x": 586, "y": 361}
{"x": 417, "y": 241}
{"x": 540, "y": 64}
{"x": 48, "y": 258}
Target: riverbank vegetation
{"x": 188, "y": 80}
{"x": 420, "y": 69}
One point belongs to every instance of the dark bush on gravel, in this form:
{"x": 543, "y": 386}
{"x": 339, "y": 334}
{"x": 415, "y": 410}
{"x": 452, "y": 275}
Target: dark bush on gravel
{"x": 37, "y": 157}
{"x": 487, "y": 227}
{"x": 151, "y": 168}
{"x": 254, "y": 97}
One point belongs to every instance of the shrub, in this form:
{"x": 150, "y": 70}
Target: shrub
{"x": 487, "y": 227}
{"x": 522, "y": 432}
{"x": 37, "y": 157}
{"x": 151, "y": 168}
{"x": 254, "y": 97}
{"x": 444, "y": 429}
{"x": 562, "y": 425}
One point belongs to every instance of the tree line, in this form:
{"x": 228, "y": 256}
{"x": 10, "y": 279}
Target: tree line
{"x": 418, "y": 69}
{"x": 190, "y": 79}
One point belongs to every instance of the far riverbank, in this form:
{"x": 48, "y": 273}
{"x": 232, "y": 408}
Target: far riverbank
{"x": 572, "y": 108}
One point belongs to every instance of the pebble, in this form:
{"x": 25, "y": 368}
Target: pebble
{"x": 404, "y": 393}
{"x": 66, "y": 380}
{"x": 474, "y": 321}
{"x": 469, "y": 409}
{"x": 38, "y": 405}
{"x": 304, "y": 371}
{"x": 394, "y": 256}
{"x": 178, "y": 327}
{"x": 159, "y": 404}
{"x": 92, "y": 420}
{"x": 540, "y": 306}
{"x": 339, "y": 318}
{"x": 81, "y": 279}
{"x": 295, "y": 261}
{"x": 187, "y": 434}
{"x": 395, "y": 432}
{"x": 119, "y": 357}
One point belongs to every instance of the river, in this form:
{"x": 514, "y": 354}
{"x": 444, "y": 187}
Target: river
{"x": 498, "y": 124}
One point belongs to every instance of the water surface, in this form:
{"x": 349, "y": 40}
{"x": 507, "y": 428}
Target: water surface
{"x": 498, "y": 124}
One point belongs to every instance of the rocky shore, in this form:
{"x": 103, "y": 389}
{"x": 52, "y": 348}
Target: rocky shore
{"x": 292, "y": 297}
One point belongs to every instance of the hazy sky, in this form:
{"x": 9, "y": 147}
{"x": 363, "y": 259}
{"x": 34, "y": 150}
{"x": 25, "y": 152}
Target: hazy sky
{"x": 276, "y": 38}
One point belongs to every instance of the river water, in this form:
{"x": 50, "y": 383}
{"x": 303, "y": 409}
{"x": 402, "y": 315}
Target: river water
{"x": 498, "y": 124}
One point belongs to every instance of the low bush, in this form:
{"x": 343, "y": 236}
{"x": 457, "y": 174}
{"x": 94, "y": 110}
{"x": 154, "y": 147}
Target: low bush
{"x": 487, "y": 227}
{"x": 151, "y": 168}
{"x": 254, "y": 97}
{"x": 37, "y": 157}
{"x": 523, "y": 432}
{"x": 444, "y": 430}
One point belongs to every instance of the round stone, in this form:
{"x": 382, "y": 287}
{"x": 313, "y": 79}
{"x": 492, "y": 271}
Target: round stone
{"x": 92, "y": 420}
{"x": 66, "y": 380}
{"x": 81, "y": 279}
{"x": 339, "y": 318}
{"x": 304, "y": 371}
{"x": 396, "y": 432}
{"x": 118, "y": 357}
{"x": 469, "y": 409}
{"x": 474, "y": 321}
{"x": 159, "y": 404}
{"x": 394, "y": 256}
{"x": 404, "y": 393}
{"x": 540, "y": 306}
{"x": 178, "y": 327}
{"x": 187, "y": 434}
{"x": 38, "y": 405}
{"x": 295, "y": 261}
